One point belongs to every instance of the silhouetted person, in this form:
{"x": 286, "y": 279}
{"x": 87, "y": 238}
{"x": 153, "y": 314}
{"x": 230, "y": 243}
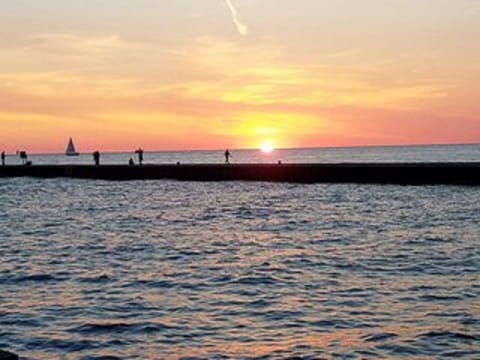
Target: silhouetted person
{"x": 228, "y": 155}
{"x": 131, "y": 162}
{"x": 23, "y": 155}
{"x": 96, "y": 157}
{"x": 3, "y": 158}
{"x": 140, "y": 153}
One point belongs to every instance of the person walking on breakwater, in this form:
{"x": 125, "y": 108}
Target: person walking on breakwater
{"x": 228, "y": 155}
{"x": 3, "y": 158}
{"x": 140, "y": 153}
{"x": 96, "y": 157}
{"x": 23, "y": 155}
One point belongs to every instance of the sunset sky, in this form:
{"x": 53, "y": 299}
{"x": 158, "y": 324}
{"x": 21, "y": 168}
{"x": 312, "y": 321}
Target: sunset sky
{"x": 181, "y": 74}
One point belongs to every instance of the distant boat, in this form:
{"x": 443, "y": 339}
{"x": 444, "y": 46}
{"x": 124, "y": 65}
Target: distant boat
{"x": 71, "y": 149}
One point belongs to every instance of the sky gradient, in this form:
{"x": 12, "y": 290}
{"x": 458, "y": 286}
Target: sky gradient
{"x": 164, "y": 74}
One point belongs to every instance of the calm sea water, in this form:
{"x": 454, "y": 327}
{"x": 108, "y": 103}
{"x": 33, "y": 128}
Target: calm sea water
{"x": 439, "y": 153}
{"x": 164, "y": 269}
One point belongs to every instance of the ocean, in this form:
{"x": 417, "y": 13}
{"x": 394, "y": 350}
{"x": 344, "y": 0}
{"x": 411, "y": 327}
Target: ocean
{"x": 395, "y": 154}
{"x": 238, "y": 270}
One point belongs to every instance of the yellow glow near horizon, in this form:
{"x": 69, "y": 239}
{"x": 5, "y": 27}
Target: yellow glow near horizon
{"x": 267, "y": 147}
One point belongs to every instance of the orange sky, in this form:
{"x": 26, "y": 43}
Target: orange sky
{"x": 182, "y": 74}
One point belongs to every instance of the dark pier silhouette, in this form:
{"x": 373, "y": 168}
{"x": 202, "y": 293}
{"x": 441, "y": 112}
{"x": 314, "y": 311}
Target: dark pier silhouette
{"x": 6, "y": 355}
{"x": 391, "y": 173}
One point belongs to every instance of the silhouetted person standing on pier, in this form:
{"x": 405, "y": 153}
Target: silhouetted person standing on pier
{"x": 23, "y": 155}
{"x": 140, "y": 153}
{"x": 96, "y": 157}
{"x": 228, "y": 155}
{"x": 3, "y": 158}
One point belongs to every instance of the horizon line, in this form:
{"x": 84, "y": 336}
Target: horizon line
{"x": 276, "y": 149}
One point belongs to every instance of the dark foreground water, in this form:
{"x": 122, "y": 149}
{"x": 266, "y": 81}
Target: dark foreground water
{"x": 153, "y": 270}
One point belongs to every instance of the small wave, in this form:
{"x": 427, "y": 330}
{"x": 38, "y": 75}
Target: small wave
{"x": 458, "y": 336}
{"x": 161, "y": 284}
{"x": 33, "y": 278}
{"x": 282, "y": 315}
{"x": 95, "y": 279}
{"x": 20, "y": 321}
{"x": 120, "y": 327}
{"x": 460, "y": 354}
{"x": 257, "y": 280}
{"x": 400, "y": 350}
{"x": 38, "y": 233}
{"x": 108, "y": 327}
{"x": 223, "y": 279}
{"x": 381, "y": 337}
{"x": 52, "y": 225}
{"x": 429, "y": 241}
{"x": 261, "y": 303}
{"x": 61, "y": 344}
{"x": 440, "y": 298}
{"x": 437, "y": 239}
{"x": 334, "y": 324}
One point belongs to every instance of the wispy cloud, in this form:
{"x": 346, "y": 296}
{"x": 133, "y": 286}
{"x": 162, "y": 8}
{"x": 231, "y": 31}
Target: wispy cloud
{"x": 242, "y": 28}
{"x": 67, "y": 44}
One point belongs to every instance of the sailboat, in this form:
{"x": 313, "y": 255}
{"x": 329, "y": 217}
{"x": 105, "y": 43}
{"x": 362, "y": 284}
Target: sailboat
{"x": 71, "y": 149}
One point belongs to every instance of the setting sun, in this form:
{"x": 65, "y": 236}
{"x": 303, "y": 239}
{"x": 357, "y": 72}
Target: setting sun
{"x": 266, "y": 148}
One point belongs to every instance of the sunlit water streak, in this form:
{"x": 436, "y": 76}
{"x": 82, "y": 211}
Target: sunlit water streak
{"x": 135, "y": 270}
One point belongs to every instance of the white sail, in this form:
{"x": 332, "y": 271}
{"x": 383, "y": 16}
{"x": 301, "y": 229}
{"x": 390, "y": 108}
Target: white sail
{"x": 71, "y": 149}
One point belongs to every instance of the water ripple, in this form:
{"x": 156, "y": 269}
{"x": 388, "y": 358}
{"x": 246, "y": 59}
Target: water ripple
{"x": 154, "y": 270}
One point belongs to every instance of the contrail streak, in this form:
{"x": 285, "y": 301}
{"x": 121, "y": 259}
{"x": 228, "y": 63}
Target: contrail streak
{"x": 242, "y": 29}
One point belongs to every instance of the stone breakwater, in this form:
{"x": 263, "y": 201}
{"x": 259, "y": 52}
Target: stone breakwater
{"x": 374, "y": 173}
{"x": 6, "y": 355}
